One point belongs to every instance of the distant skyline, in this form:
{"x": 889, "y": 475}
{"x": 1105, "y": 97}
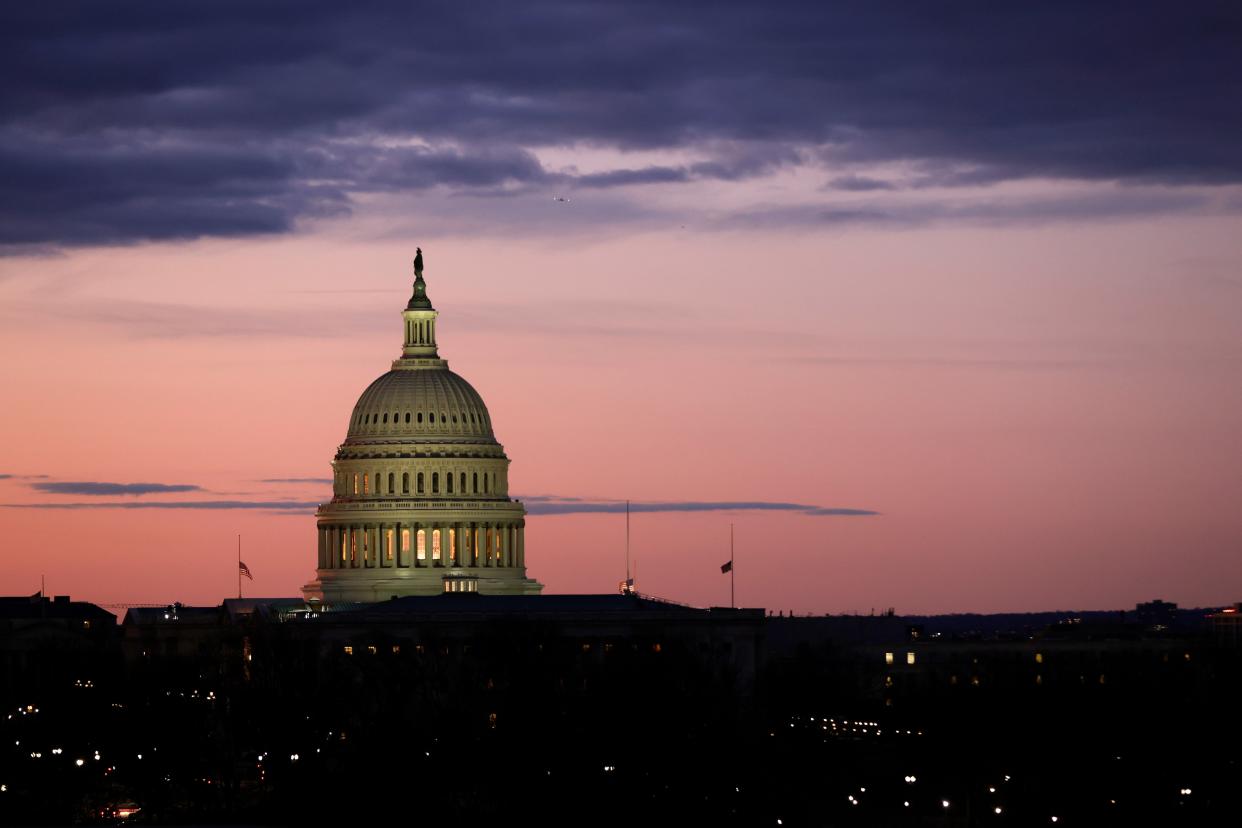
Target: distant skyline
{"x": 938, "y": 306}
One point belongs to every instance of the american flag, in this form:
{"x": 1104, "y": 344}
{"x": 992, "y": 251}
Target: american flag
{"x": 245, "y": 570}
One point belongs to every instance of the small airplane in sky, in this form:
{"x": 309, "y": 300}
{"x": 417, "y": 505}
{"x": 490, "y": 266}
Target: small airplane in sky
{"x": 561, "y": 199}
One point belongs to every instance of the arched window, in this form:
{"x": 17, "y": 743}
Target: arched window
{"x": 392, "y": 478}
{"x": 435, "y": 544}
{"x": 484, "y": 482}
{"x": 366, "y": 419}
{"x": 422, "y": 544}
{"x": 407, "y": 416}
{"x": 396, "y": 416}
{"x": 463, "y": 483}
{"x": 476, "y": 482}
{"x": 365, "y": 480}
{"x": 443, "y": 417}
{"x": 454, "y": 419}
{"x": 377, "y": 483}
{"x": 405, "y": 482}
{"x": 385, "y": 417}
{"x": 448, "y": 482}
{"x": 420, "y": 482}
{"x": 420, "y": 416}
{"x": 435, "y": 482}
{"x": 355, "y": 484}
{"x": 432, "y": 416}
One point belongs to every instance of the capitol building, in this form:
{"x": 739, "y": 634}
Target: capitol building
{"x": 420, "y": 494}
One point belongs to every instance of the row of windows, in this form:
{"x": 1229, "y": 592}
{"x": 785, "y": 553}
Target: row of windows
{"x": 362, "y": 483}
{"x": 420, "y": 333}
{"x": 484, "y": 546}
{"x": 416, "y": 417}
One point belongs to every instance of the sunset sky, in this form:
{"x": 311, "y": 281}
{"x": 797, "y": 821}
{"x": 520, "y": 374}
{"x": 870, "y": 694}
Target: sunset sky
{"x": 939, "y": 304}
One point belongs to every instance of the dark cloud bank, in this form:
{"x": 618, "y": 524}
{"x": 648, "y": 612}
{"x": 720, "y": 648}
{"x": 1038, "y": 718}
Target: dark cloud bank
{"x": 126, "y": 121}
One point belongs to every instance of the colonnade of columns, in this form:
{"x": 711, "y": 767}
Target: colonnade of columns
{"x": 416, "y": 544}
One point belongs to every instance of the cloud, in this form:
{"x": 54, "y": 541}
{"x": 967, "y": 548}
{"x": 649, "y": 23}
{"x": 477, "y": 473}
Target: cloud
{"x": 859, "y": 184}
{"x": 104, "y": 489}
{"x": 196, "y": 505}
{"x": 553, "y": 505}
{"x": 325, "y": 481}
{"x": 151, "y": 120}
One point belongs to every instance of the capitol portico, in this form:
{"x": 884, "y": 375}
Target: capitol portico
{"x": 420, "y": 496}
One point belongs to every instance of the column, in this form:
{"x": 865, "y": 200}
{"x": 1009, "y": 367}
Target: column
{"x": 521, "y": 544}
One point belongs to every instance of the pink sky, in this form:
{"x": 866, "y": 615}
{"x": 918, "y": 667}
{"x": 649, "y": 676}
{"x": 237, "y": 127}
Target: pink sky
{"x": 1044, "y": 414}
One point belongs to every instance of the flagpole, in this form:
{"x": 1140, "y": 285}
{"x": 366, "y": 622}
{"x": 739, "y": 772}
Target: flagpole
{"x": 732, "y": 570}
{"x": 239, "y": 567}
{"x": 627, "y": 545}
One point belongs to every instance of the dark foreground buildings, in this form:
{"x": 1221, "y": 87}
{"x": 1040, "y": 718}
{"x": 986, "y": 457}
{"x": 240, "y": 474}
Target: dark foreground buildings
{"x": 611, "y": 709}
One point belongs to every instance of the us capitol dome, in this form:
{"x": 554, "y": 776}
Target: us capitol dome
{"x": 420, "y": 493}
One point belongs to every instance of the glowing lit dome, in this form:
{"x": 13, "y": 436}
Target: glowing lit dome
{"x": 420, "y": 486}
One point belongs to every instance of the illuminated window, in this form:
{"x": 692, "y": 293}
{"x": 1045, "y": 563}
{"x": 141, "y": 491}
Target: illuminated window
{"x": 405, "y": 482}
{"x": 435, "y": 482}
{"x": 355, "y": 484}
{"x": 371, "y": 649}
{"x": 1039, "y": 679}
{"x": 365, "y": 480}
{"x": 655, "y": 648}
{"x": 366, "y": 544}
{"x": 392, "y": 479}
{"x": 396, "y": 649}
{"x": 422, "y": 545}
{"x": 349, "y": 650}
{"x": 888, "y": 681}
{"x": 420, "y": 482}
{"x": 435, "y": 545}
{"x": 487, "y": 545}
{"x": 888, "y": 658}
{"x": 344, "y": 547}
{"x": 452, "y": 539}
{"x": 405, "y": 540}
{"x": 1039, "y": 658}
{"x": 353, "y": 546}
{"x": 86, "y": 625}
{"x": 388, "y": 542}
{"x": 909, "y": 658}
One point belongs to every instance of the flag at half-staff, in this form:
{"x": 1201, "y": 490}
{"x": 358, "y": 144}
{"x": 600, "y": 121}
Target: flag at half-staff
{"x": 242, "y": 569}
{"x": 726, "y": 567}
